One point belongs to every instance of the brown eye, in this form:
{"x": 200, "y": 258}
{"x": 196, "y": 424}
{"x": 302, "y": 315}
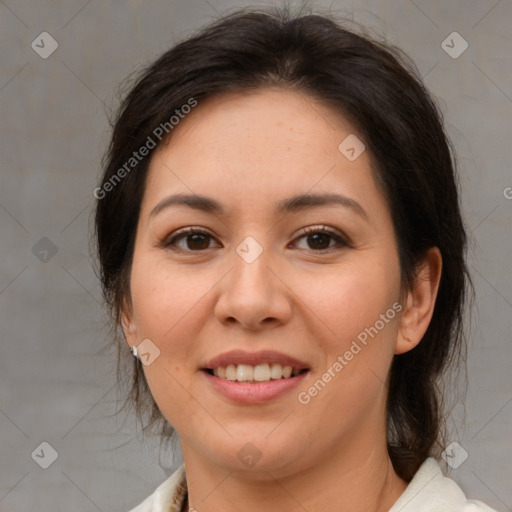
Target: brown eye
{"x": 320, "y": 239}
{"x": 194, "y": 240}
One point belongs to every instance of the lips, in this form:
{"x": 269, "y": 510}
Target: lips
{"x": 254, "y": 378}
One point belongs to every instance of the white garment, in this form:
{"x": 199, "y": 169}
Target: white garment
{"x": 428, "y": 491}
{"x": 431, "y": 491}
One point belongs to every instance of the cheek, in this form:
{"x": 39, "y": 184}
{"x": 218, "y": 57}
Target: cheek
{"x": 356, "y": 332}
{"x": 348, "y": 300}
{"x": 166, "y": 305}
{"x": 165, "y": 298}
{"x": 357, "y": 329}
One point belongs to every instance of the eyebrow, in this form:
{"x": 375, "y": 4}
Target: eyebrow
{"x": 290, "y": 205}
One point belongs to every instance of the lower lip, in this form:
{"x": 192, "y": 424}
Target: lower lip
{"x": 256, "y": 393}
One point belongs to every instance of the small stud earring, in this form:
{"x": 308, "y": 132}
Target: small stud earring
{"x": 133, "y": 350}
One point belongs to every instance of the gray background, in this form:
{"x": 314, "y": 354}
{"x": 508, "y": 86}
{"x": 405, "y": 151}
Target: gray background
{"x": 56, "y": 384}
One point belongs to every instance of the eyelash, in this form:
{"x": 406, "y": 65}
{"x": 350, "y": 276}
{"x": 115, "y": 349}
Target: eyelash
{"x": 169, "y": 242}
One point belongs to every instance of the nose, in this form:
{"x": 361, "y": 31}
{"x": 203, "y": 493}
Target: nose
{"x": 253, "y": 295}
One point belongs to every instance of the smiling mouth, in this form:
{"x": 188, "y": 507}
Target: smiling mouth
{"x": 255, "y": 374}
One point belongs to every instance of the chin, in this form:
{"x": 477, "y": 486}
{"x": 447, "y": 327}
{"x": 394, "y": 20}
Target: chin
{"x": 258, "y": 454}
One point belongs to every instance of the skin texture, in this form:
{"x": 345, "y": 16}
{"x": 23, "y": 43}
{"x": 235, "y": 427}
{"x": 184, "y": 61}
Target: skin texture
{"x": 248, "y": 151}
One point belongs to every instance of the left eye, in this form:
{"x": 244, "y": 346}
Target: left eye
{"x": 321, "y": 239}
{"x": 196, "y": 240}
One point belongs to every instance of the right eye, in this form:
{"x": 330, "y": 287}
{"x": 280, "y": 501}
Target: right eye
{"x": 188, "y": 240}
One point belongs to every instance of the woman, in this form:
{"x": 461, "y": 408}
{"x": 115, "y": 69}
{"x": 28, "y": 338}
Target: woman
{"x": 281, "y": 243}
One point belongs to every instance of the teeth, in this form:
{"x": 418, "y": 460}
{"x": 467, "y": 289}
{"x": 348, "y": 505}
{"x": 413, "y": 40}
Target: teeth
{"x": 259, "y": 373}
{"x": 244, "y": 373}
{"x": 276, "y": 371}
{"x": 262, "y": 372}
{"x": 230, "y": 372}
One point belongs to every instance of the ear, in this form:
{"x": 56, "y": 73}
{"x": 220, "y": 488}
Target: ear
{"x": 128, "y": 324}
{"x": 420, "y": 302}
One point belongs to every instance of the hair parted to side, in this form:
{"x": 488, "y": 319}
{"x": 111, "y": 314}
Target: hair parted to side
{"x": 377, "y": 89}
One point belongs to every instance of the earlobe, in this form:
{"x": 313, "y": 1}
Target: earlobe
{"x": 420, "y": 302}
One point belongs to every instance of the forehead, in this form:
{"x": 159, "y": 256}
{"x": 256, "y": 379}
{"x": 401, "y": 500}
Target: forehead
{"x": 263, "y": 144}
{"x": 249, "y": 119}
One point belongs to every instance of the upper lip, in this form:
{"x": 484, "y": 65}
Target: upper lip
{"x": 237, "y": 357}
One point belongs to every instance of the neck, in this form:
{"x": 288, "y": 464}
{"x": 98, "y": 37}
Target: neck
{"x": 355, "y": 482}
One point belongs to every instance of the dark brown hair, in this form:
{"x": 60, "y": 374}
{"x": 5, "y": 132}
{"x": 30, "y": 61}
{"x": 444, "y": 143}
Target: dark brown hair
{"x": 379, "y": 91}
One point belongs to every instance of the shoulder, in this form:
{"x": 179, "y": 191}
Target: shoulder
{"x": 431, "y": 491}
{"x": 168, "y": 496}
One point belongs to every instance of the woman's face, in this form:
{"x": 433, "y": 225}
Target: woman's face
{"x": 254, "y": 287}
